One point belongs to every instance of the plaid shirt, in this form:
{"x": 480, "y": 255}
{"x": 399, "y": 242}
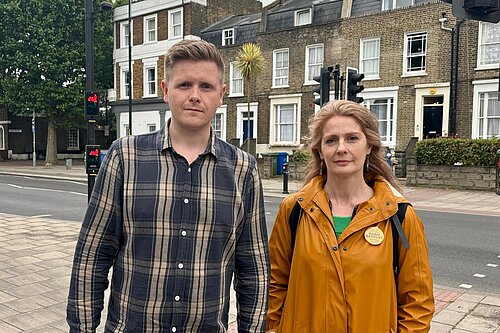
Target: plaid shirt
{"x": 174, "y": 234}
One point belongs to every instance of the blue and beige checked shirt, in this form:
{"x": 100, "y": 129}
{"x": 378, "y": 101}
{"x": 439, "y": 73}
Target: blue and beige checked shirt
{"x": 174, "y": 234}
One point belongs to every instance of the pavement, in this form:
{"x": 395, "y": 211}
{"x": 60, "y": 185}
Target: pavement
{"x": 36, "y": 259}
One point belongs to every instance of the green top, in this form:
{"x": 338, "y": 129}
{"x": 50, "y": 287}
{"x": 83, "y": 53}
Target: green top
{"x": 340, "y": 223}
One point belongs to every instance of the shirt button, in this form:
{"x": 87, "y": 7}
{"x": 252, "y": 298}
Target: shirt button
{"x": 177, "y": 298}
{"x": 174, "y": 329}
{"x": 186, "y": 201}
{"x": 183, "y": 233}
{"x": 181, "y": 265}
{"x": 189, "y": 169}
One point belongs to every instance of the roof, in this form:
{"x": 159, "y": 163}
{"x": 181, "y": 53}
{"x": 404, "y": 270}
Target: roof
{"x": 234, "y": 21}
{"x": 293, "y": 5}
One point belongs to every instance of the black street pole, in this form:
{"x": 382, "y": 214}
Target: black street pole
{"x": 89, "y": 78}
{"x": 129, "y": 67}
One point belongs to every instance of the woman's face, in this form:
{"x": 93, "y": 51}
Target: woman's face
{"x": 344, "y": 147}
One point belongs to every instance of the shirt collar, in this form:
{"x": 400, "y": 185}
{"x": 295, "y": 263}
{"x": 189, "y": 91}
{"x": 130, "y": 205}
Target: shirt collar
{"x": 165, "y": 142}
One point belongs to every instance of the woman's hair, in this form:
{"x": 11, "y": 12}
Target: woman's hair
{"x": 369, "y": 125}
{"x": 198, "y": 50}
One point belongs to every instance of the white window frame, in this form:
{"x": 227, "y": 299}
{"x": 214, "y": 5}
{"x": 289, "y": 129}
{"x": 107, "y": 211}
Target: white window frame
{"x": 284, "y": 100}
{"x": 284, "y": 78}
{"x": 299, "y": 13}
{"x": 71, "y": 132}
{"x": 308, "y": 78}
{"x": 406, "y": 56}
{"x": 124, "y": 34}
{"x": 151, "y": 63}
{"x": 481, "y": 87}
{"x": 376, "y": 58}
{"x": 124, "y": 69}
{"x": 147, "y": 31}
{"x": 385, "y": 93}
{"x": 481, "y": 45}
{"x": 151, "y": 128}
{"x": 228, "y": 37}
{"x": 393, "y": 4}
{"x": 2, "y": 137}
{"x": 222, "y": 112}
{"x": 171, "y": 26}
{"x": 232, "y": 78}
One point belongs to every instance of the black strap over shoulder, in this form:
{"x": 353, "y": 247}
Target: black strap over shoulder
{"x": 397, "y": 232}
{"x": 293, "y": 221}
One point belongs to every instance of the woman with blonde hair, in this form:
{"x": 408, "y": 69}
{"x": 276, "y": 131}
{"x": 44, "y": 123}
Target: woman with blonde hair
{"x": 339, "y": 275}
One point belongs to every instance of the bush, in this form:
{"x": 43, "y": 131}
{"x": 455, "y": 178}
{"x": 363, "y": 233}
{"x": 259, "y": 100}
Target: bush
{"x": 302, "y": 155}
{"x": 446, "y": 151}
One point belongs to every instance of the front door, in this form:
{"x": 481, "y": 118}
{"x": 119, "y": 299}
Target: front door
{"x": 433, "y": 117}
{"x": 244, "y": 117}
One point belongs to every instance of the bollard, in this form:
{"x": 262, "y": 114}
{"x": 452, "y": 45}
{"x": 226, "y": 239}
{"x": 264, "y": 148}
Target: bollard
{"x": 497, "y": 167}
{"x": 69, "y": 163}
{"x": 285, "y": 178}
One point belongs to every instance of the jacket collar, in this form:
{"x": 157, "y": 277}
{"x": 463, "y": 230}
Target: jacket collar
{"x": 384, "y": 201}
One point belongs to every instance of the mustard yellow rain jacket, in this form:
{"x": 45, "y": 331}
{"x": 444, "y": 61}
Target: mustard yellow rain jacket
{"x": 347, "y": 285}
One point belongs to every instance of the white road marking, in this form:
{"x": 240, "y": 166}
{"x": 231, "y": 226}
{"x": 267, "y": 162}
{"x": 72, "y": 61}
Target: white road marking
{"x": 492, "y": 265}
{"x": 41, "y": 216}
{"x": 466, "y": 286}
{"x": 46, "y": 189}
{"x": 479, "y": 275}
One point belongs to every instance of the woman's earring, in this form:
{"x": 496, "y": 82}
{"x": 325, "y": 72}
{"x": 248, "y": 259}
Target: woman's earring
{"x": 367, "y": 163}
{"x": 321, "y": 166}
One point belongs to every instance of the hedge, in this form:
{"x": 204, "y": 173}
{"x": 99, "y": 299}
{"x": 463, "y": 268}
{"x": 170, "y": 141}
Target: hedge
{"x": 447, "y": 151}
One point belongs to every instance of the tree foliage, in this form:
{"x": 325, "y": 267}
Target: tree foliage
{"x": 42, "y": 60}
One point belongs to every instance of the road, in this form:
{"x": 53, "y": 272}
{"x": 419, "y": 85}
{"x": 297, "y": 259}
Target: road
{"x": 463, "y": 248}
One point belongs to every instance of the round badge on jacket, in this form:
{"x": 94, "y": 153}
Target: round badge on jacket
{"x": 374, "y": 236}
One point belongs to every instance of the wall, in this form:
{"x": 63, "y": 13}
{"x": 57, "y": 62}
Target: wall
{"x": 454, "y": 176}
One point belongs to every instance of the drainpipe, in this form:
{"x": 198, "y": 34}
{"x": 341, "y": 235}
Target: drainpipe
{"x": 455, "y": 39}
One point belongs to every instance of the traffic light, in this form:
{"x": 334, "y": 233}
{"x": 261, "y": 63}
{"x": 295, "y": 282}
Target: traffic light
{"x": 91, "y": 104}
{"x": 324, "y": 86}
{"x": 92, "y": 159}
{"x": 480, "y": 10}
{"x": 352, "y": 87}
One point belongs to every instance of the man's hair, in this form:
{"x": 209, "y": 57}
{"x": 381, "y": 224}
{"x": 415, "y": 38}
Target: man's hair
{"x": 199, "y": 50}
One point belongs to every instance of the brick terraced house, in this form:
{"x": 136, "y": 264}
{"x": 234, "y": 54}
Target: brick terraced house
{"x": 427, "y": 74}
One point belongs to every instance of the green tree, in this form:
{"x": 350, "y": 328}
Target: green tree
{"x": 42, "y": 62}
{"x": 250, "y": 62}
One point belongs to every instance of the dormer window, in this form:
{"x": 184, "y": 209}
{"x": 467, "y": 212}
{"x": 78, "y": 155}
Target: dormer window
{"x": 303, "y": 17}
{"x": 227, "y": 37}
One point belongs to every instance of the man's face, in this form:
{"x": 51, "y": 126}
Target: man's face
{"x": 193, "y": 92}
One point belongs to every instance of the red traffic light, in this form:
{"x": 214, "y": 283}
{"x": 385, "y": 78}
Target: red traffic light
{"x": 91, "y": 104}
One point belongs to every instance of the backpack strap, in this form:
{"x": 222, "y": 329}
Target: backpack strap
{"x": 397, "y": 232}
{"x": 293, "y": 222}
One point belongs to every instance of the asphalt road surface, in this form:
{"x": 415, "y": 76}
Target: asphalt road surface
{"x": 464, "y": 249}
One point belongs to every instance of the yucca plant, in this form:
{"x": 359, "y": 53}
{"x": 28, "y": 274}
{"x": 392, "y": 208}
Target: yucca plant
{"x": 250, "y": 62}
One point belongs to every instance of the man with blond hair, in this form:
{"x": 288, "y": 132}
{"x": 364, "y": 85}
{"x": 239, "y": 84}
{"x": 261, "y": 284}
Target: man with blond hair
{"x": 176, "y": 214}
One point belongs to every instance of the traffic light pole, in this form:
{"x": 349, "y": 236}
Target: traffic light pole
{"x": 89, "y": 79}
